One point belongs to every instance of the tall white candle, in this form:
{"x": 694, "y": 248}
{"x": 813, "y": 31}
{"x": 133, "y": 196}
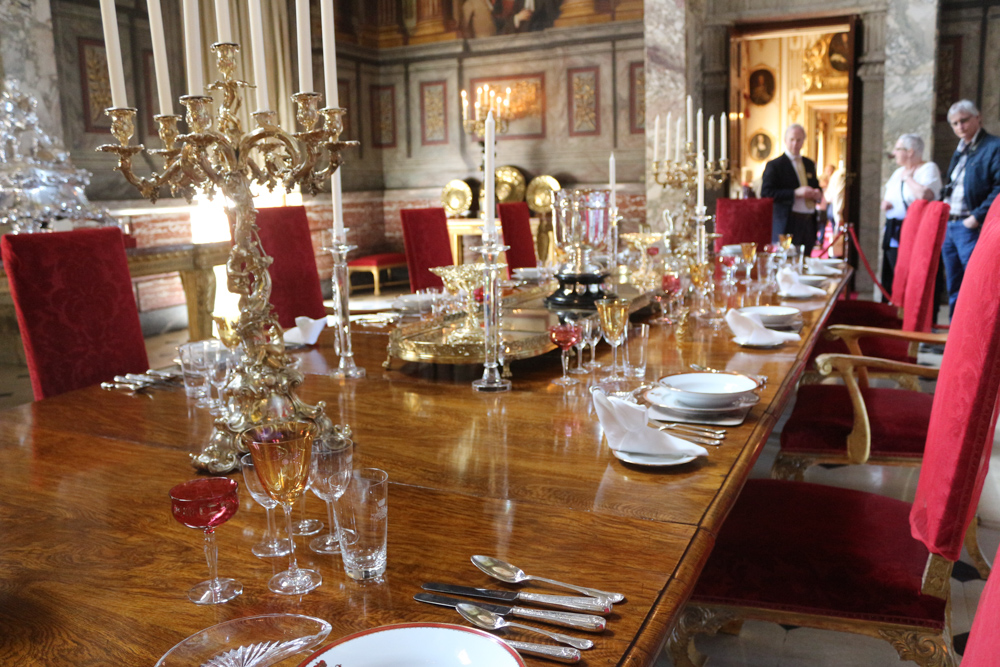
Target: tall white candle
{"x": 329, "y": 53}
{"x": 160, "y": 63}
{"x": 611, "y": 178}
{"x": 192, "y": 48}
{"x": 257, "y": 51}
{"x": 677, "y": 148}
{"x": 690, "y": 120}
{"x": 113, "y": 47}
{"x": 701, "y": 181}
{"x": 711, "y": 138}
{"x": 700, "y": 145}
{"x": 666, "y": 138}
{"x": 656, "y": 139}
{"x": 489, "y": 201}
{"x": 224, "y": 29}
{"x": 303, "y": 39}
{"x": 723, "y": 139}
{"x": 338, "y": 207}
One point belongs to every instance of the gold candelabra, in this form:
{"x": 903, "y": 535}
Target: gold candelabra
{"x": 228, "y": 160}
{"x": 486, "y": 101}
{"x": 684, "y": 175}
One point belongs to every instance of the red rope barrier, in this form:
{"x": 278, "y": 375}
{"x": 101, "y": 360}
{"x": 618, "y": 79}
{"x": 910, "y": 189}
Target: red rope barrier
{"x": 864, "y": 260}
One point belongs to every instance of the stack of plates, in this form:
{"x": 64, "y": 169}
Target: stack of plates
{"x": 773, "y": 316}
{"x": 700, "y": 395}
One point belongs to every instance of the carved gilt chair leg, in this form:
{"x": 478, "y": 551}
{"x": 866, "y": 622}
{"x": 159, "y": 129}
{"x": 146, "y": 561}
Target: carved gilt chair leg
{"x": 790, "y": 467}
{"x": 924, "y": 648}
{"x": 695, "y": 621}
{"x": 975, "y": 553}
{"x": 733, "y": 627}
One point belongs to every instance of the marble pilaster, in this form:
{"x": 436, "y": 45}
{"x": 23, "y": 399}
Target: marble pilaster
{"x": 27, "y": 53}
{"x": 991, "y": 84}
{"x": 666, "y": 69}
{"x": 871, "y": 72}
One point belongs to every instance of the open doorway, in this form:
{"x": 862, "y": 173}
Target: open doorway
{"x": 787, "y": 73}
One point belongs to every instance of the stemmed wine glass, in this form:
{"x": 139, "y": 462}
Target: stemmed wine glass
{"x": 593, "y": 334}
{"x": 306, "y": 526}
{"x": 206, "y": 503}
{"x": 282, "y": 454}
{"x": 585, "y": 325}
{"x": 270, "y": 546}
{"x": 565, "y": 336}
{"x": 749, "y": 251}
{"x": 330, "y": 473}
{"x": 221, "y": 361}
{"x": 667, "y": 295}
{"x": 613, "y": 314}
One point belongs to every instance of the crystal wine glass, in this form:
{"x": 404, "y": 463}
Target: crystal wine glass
{"x": 282, "y": 453}
{"x": 271, "y": 545}
{"x": 221, "y": 361}
{"x": 593, "y": 334}
{"x": 667, "y": 296}
{"x": 613, "y": 314}
{"x": 565, "y": 336}
{"x": 585, "y": 325}
{"x": 306, "y": 526}
{"x": 206, "y": 503}
{"x": 749, "y": 251}
{"x": 330, "y": 473}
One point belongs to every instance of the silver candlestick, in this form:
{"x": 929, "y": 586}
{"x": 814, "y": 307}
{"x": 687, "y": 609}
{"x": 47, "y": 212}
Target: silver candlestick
{"x": 346, "y": 368}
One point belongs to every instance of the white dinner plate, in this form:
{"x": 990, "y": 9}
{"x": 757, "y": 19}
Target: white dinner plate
{"x": 772, "y": 316}
{"x": 703, "y": 390}
{"x": 670, "y": 402}
{"x": 814, "y": 281}
{"x": 652, "y": 459}
{"x": 417, "y": 645}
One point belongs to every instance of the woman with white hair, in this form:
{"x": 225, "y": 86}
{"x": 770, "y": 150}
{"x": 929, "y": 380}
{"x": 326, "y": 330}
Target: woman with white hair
{"x": 915, "y": 179}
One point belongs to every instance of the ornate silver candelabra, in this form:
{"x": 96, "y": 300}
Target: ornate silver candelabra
{"x": 228, "y": 160}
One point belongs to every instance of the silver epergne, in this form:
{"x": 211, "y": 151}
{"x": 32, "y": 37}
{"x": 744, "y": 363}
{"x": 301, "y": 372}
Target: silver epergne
{"x": 584, "y": 225}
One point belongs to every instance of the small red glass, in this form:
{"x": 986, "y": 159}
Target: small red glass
{"x": 206, "y": 503}
{"x": 667, "y": 296}
{"x": 565, "y": 336}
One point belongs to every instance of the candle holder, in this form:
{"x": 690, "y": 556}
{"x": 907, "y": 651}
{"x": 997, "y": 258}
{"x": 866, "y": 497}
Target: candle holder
{"x": 684, "y": 175}
{"x": 491, "y": 249}
{"x": 346, "y": 368}
{"x": 228, "y": 160}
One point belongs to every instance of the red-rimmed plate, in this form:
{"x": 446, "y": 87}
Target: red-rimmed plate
{"x": 417, "y": 645}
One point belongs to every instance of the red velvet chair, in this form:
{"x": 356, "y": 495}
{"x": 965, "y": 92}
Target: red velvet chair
{"x": 743, "y": 221}
{"x": 75, "y": 307}
{"x": 914, "y": 287}
{"x": 841, "y": 559}
{"x": 515, "y": 220}
{"x": 295, "y": 287}
{"x": 425, "y": 237}
{"x": 983, "y": 647}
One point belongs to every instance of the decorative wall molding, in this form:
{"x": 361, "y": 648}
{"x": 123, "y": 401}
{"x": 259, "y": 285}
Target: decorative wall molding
{"x": 582, "y": 94}
{"x": 383, "y": 115}
{"x": 433, "y": 113}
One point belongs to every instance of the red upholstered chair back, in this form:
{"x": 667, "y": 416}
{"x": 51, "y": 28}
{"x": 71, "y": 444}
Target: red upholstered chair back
{"x": 295, "y": 287}
{"x": 918, "y": 300}
{"x": 963, "y": 419}
{"x": 515, "y": 219}
{"x": 907, "y": 236}
{"x": 425, "y": 237}
{"x": 73, "y": 295}
{"x": 983, "y": 648}
{"x": 743, "y": 221}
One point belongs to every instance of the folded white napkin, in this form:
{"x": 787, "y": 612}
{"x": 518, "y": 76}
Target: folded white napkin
{"x": 748, "y": 330}
{"x": 305, "y": 332}
{"x": 790, "y": 285}
{"x": 818, "y": 268}
{"x": 627, "y": 429}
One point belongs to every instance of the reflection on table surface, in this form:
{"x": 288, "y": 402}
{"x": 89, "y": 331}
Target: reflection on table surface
{"x": 95, "y": 570}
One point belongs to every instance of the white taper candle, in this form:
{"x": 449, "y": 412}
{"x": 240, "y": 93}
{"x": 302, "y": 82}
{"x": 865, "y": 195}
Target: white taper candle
{"x": 611, "y": 178}
{"x": 701, "y": 181}
{"x": 257, "y": 51}
{"x": 160, "y": 63}
{"x": 489, "y": 201}
{"x": 666, "y": 137}
{"x": 724, "y": 136}
{"x": 329, "y": 54}
{"x": 113, "y": 48}
{"x": 303, "y": 42}
{"x": 711, "y": 138}
{"x": 690, "y": 120}
{"x": 192, "y": 48}
{"x": 699, "y": 124}
{"x": 677, "y": 148}
{"x": 656, "y": 139}
{"x": 224, "y": 28}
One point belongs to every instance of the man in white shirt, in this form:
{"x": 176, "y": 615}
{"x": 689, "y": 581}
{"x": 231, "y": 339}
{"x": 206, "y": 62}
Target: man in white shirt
{"x": 790, "y": 180}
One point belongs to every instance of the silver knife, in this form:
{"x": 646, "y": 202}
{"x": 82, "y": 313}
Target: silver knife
{"x": 587, "y": 622}
{"x": 557, "y": 653}
{"x": 587, "y": 604}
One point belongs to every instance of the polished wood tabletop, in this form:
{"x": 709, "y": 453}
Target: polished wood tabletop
{"x": 95, "y": 571}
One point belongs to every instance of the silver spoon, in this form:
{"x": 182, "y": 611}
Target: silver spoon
{"x": 487, "y": 620}
{"x": 510, "y": 574}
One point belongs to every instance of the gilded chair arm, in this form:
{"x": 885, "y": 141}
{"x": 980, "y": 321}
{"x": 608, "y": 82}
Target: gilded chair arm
{"x": 850, "y": 334}
{"x": 859, "y": 440}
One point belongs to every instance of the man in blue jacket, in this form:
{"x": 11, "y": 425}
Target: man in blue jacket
{"x": 973, "y": 182}
{"x": 790, "y": 180}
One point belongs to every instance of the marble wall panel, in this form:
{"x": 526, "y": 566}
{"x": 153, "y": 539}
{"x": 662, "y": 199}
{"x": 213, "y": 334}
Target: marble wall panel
{"x": 383, "y": 115}
{"x": 27, "y": 53}
{"x": 433, "y": 113}
{"x": 583, "y": 92}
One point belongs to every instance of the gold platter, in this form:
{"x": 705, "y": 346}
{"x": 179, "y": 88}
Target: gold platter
{"x": 509, "y": 184}
{"x": 456, "y": 198}
{"x": 539, "y": 194}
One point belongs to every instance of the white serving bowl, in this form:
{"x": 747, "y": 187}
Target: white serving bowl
{"x": 772, "y": 316}
{"x": 710, "y": 390}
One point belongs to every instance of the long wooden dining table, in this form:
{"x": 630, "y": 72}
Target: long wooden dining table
{"x": 95, "y": 571}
